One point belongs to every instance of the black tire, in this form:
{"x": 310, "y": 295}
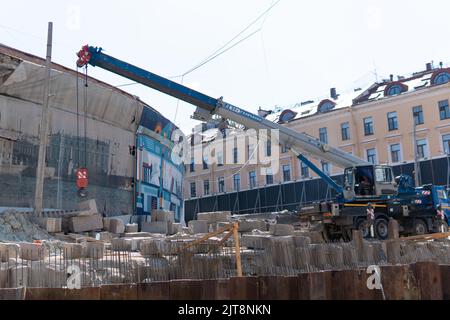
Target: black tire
{"x": 362, "y": 225}
{"x": 347, "y": 234}
{"x": 420, "y": 227}
{"x": 381, "y": 229}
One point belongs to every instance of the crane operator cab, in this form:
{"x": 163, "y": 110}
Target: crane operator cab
{"x": 369, "y": 181}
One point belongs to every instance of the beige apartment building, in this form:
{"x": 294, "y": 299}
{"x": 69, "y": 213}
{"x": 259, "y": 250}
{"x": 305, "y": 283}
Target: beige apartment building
{"x": 398, "y": 122}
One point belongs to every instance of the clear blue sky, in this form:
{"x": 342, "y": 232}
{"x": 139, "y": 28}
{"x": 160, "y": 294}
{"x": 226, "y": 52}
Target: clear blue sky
{"x": 303, "y": 48}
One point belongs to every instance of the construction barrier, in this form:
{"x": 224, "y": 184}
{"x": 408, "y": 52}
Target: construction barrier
{"x": 422, "y": 280}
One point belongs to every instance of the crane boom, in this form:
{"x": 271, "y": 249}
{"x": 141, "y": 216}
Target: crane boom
{"x": 207, "y": 106}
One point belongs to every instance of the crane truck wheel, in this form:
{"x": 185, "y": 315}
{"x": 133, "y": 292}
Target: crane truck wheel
{"x": 420, "y": 227}
{"x": 362, "y": 225}
{"x": 381, "y": 228}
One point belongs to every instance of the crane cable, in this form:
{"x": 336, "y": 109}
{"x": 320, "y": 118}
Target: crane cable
{"x": 78, "y": 116}
{"x": 85, "y": 114}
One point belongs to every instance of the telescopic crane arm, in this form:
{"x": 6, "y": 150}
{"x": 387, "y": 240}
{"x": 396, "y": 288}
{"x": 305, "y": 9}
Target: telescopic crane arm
{"x": 207, "y": 106}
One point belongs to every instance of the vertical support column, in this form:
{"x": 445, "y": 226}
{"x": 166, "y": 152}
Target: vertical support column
{"x": 43, "y": 137}
{"x": 237, "y": 248}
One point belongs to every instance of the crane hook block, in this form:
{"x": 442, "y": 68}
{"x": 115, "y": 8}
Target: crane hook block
{"x": 82, "y": 178}
{"x": 84, "y": 56}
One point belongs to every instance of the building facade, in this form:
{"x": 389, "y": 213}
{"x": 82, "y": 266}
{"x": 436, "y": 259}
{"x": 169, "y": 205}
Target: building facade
{"x": 100, "y": 133}
{"x": 403, "y": 122}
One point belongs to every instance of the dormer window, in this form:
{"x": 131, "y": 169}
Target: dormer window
{"x": 287, "y": 115}
{"x": 442, "y": 78}
{"x": 394, "y": 89}
{"x": 326, "y": 105}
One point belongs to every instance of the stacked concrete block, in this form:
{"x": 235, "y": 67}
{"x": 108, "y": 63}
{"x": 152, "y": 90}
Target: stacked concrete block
{"x": 175, "y": 228}
{"x": 131, "y": 227}
{"x": 32, "y": 251}
{"x": 86, "y": 223}
{"x": 121, "y": 244}
{"x": 315, "y": 236}
{"x": 94, "y": 250}
{"x": 256, "y": 241}
{"x": 116, "y": 226}
{"x": 300, "y": 241}
{"x": 87, "y": 208}
{"x": 198, "y": 226}
{"x": 51, "y": 225}
{"x": 137, "y": 235}
{"x": 162, "y": 215}
{"x": 72, "y": 251}
{"x": 214, "y": 217}
{"x": 162, "y": 227}
{"x": 252, "y": 224}
{"x": 281, "y": 229}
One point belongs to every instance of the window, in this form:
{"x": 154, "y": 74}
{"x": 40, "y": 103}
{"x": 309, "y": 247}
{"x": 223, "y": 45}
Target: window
{"x": 446, "y": 142}
{"x": 326, "y": 168}
{"x": 269, "y": 176}
{"x": 193, "y": 190}
{"x": 237, "y": 182}
{"x": 371, "y": 155}
{"x": 368, "y": 126}
{"x": 287, "y": 173}
{"x": 192, "y": 169}
{"x": 323, "y": 135}
{"x": 284, "y": 149}
{"x": 392, "y": 121}
{"x": 418, "y": 115}
{"x": 221, "y": 185}
{"x": 326, "y": 106}
{"x": 383, "y": 175}
{"x": 442, "y": 78}
{"x": 219, "y": 158}
{"x": 268, "y": 148}
{"x": 206, "y": 187}
{"x": 395, "y": 153}
{"x": 235, "y": 155}
{"x": 287, "y": 115}
{"x": 252, "y": 179}
{"x": 444, "y": 111}
{"x": 395, "y": 89}
{"x": 422, "y": 148}
{"x": 304, "y": 170}
{"x": 345, "y": 131}
{"x": 251, "y": 150}
{"x": 205, "y": 162}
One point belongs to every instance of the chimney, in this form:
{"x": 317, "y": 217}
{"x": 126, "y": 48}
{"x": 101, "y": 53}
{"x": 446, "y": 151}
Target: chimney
{"x": 333, "y": 93}
{"x": 441, "y": 65}
{"x": 429, "y": 66}
{"x": 392, "y": 77}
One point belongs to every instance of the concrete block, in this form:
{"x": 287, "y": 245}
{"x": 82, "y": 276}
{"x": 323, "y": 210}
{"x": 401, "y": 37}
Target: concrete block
{"x": 281, "y": 229}
{"x": 86, "y": 223}
{"x": 300, "y": 241}
{"x": 162, "y": 227}
{"x": 175, "y": 228}
{"x": 105, "y": 236}
{"x": 88, "y": 207}
{"x": 314, "y": 236}
{"x": 51, "y": 225}
{"x": 32, "y": 251}
{"x": 116, "y": 226}
{"x": 72, "y": 251}
{"x": 162, "y": 215}
{"x": 94, "y": 250}
{"x": 198, "y": 226}
{"x": 121, "y": 244}
{"x": 131, "y": 227}
{"x": 255, "y": 241}
{"x": 252, "y": 224}
{"x": 214, "y": 217}
{"x": 137, "y": 234}
{"x": 150, "y": 247}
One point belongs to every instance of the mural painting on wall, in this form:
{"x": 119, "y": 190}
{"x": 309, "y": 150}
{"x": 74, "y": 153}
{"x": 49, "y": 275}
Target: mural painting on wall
{"x": 151, "y": 168}
{"x": 157, "y": 123}
{"x": 173, "y": 179}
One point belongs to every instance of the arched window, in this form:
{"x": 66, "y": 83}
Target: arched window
{"x": 395, "y": 89}
{"x": 287, "y": 115}
{"x": 442, "y": 78}
{"x": 326, "y": 105}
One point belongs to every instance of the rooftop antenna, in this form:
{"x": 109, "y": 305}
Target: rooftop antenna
{"x": 375, "y": 73}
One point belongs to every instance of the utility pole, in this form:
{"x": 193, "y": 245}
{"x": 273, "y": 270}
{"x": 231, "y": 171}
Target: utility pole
{"x": 43, "y": 136}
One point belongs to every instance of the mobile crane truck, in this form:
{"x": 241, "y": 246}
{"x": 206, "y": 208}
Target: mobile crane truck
{"x": 413, "y": 207}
